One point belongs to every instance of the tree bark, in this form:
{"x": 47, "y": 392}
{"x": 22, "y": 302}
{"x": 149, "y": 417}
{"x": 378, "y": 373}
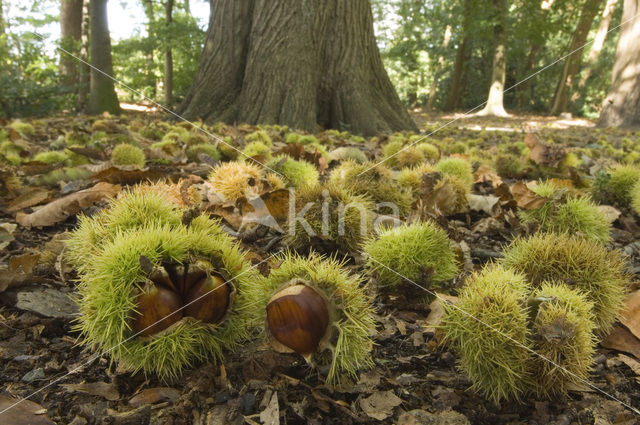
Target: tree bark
{"x": 301, "y": 64}
{"x": 2, "y": 29}
{"x": 151, "y": 76}
{"x": 622, "y": 105}
{"x": 168, "y": 58}
{"x": 84, "y": 71}
{"x": 495, "y": 100}
{"x": 572, "y": 63}
{"x": 436, "y": 74}
{"x": 455, "y": 90}
{"x": 596, "y": 47}
{"x": 102, "y": 94}
{"x": 70, "y": 40}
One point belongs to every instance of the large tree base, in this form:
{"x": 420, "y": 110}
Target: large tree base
{"x": 306, "y": 64}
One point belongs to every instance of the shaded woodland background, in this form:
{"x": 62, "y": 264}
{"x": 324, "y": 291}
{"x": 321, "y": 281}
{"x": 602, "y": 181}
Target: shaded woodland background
{"x": 438, "y": 54}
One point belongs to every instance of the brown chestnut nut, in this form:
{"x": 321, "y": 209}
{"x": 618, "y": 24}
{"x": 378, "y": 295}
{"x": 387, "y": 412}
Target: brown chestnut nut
{"x": 208, "y": 300}
{"x": 157, "y": 309}
{"x": 298, "y": 318}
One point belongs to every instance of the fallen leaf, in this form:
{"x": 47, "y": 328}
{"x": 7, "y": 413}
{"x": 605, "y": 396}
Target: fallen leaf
{"x": 544, "y": 153}
{"x": 485, "y": 173}
{"x": 268, "y": 209}
{"x": 609, "y": 212}
{"x": 486, "y": 203}
{"x": 103, "y": 389}
{"x": 271, "y": 414}
{"x": 631, "y": 316}
{"x": 633, "y": 364}
{"x": 29, "y": 198}
{"x": 380, "y": 404}
{"x": 621, "y": 339}
{"x": 6, "y": 234}
{"x": 21, "y": 412}
{"x": 527, "y": 198}
{"x": 115, "y": 175}
{"x": 154, "y": 395}
{"x": 60, "y": 209}
{"x": 436, "y": 312}
{"x": 48, "y": 302}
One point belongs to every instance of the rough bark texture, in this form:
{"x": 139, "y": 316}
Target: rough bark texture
{"x": 572, "y": 63}
{"x": 102, "y": 94}
{"x": 457, "y": 82}
{"x": 596, "y": 47}
{"x": 168, "y": 58}
{"x": 302, "y": 64}
{"x": 83, "y": 69}
{"x": 495, "y": 100}
{"x": 622, "y": 105}
{"x": 70, "y": 40}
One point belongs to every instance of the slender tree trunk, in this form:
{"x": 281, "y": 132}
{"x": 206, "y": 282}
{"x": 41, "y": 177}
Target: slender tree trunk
{"x": 596, "y": 47}
{"x": 168, "y": 57}
{"x": 572, "y": 63}
{"x": 455, "y": 90}
{"x": 150, "y": 71}
{"x": 622, "y": 106}
{"x": 301, "y": 64}
{"x": 84, "y": 78}
{"x": 2, "y": 29}
{"x": 70, "y": 40}
{"x": 495, "y": 101}
{"x": 436, "y": 74}
{"x": 102, "y": 94}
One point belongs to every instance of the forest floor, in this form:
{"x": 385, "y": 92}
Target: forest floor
{"x": 414, "y": 381}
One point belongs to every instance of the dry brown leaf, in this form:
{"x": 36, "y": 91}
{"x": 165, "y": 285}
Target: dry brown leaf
{"x": 380, "y": 404}
{"x": 60, "y": 209}
{"x": 103, "y": 389}
{"x": 488, "y": 204}
{"x": 21, "y": 412}
{"x": 631, "y": 315}
{"x": 526, "y": 198}
{"x": 436, "y": 312}
{"x": 544, "y": 153}
{"x": 115, "y": 175}
{"x": 29, "y": 198}
{"x": 621, "y": 339}
{"x": 154, "y": 395}
{"x": 268, "y": 209}
{"x": 485, "y": 173}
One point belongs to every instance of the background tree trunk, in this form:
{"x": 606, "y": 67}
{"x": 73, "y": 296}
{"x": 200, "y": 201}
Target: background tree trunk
{"x": 572, "y": 63}
{"x": 622, "y": 105}
{"x": 301, "y": 64}
{"x": 102, "y": 94}
{"x": 70, "y": 40}
{"x": 151, "y": 76}
{"x": 440, "y": 64}
{"x": 84, "y": 77}
{"x": 168, "y": 58}
{"x": 2, "y": 29}
{"x": 455, "y": 90}
{"x": 495, "y": 101}
{"x": 596, "y": 47}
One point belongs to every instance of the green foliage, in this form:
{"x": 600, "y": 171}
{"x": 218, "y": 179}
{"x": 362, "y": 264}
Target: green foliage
{"x": 421, "y": 252}
{"x": 350, "y": 308}
{"x": 126, "y": 154}
{"x": 567, "y": 213}
{"x": 584, "y": 265}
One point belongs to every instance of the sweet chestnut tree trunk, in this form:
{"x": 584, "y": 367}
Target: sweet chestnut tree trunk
{"x": 301, "y": 63}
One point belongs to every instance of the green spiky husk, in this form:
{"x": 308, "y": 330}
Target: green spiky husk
{"x": 616, "y": 184}
{"x": 570, "y": 214}
{"x": 357, "y": 222}
{"x": 125, "y": 154}
{"x": 134, "y": 208}
{"x": 411, "y": 251}
{"x": 351, "y": 310}
{"x": 489, "y": 316}
{"x": 582, "y": 264}
{"x": 376, "y": 183}
{"x": 456, "y": 167}
{"x": 562, "y": 331}
{"x": 106, "y": 299}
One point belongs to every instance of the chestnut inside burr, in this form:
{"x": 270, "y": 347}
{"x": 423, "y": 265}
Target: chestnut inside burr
{"x": 174, "y": 291}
